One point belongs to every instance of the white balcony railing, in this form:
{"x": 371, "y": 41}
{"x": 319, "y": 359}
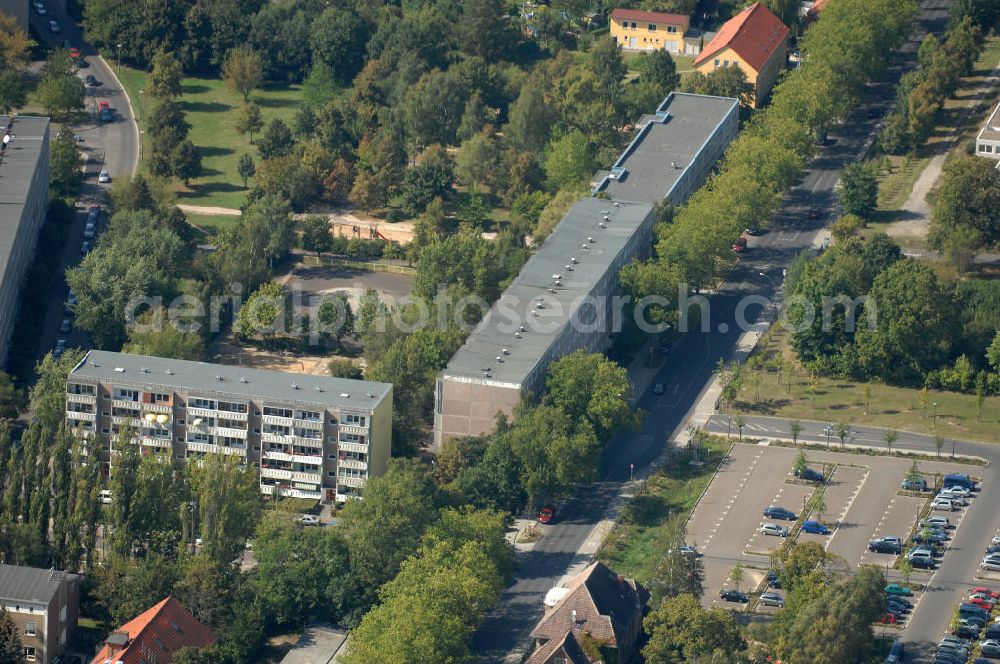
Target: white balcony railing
{"x": 309, "y": 424}
{"x": 80, "y": 398}
{"x": 277, "y": 456}
{"x": 228, "y": 433}
{"x": 126, "y": 403}
{"x": 233, "y": 450}
{"x": 230, "y": 415}
{"x": 312, "y": 478}
{"x": 314, "y": 460}
{"x": 207, "y": 448}
{"x": 352, "y": 428}
{"x": 353, "y": 482}
{"x": 150, "y": 441}
{"x": 156, "y": 408}
{"x": 269, "y": 437}
{"x": 276, "y": 473}
{"x": 360, "y": 448}
{"x": 86, "y": 417}
{"x": 201, "y": 412}
{"x": 353, "y": 463}
{"x": 277, "y": 420}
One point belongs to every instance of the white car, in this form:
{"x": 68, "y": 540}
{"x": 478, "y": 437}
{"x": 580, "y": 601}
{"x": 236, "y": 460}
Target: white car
{"x": 996, "y": 539}
{"x": 104, "y": 177}
{"x": 772, "y": 599}
{"x": 773, "y": 529}
{"x": 40, "y": 9}
{"x": 54, "y": 26}
{"x": 992, "y": 566}
{"x": 958, "y": 491}
{"x": 957, "y": 501}
{"x": 940, "y": 521}
{"x": 943, "y": 505}
{"x": 104, "y": 496}
{"x": 308, "y": 520}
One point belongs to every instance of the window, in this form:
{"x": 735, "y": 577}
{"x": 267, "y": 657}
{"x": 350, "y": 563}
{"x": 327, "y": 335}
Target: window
{"x": 277, "y": 412}
{"x": 29, "y": 653}
{"x": 196, "y": 402}
{"x": 355, "y": 420}
{"x": 352, "y": 438}
{"x": 29, "y": 629}
{"x": 671, "y": 28}
{"x": 652, "y": 27}
{"x": 331, "y": 473}
{"x": 716, "y": 62}
{"x": 309, "y": 415}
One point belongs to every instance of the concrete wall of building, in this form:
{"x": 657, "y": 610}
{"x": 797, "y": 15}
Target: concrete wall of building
{"x": 380, "y": 438}
{"x": 23, "y": 247}
{"x": 54, "y": 624}
{"x": 987, "y": 148}
{"x": 18, "y": 9}
{"x": 647, "y": 36}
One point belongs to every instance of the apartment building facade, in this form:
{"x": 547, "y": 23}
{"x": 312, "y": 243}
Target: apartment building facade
{"x": 44, "y": 605}
{"x": 636, "y": 30}
{"x": 988, "y": 138}
{"x": 308, "y": 436}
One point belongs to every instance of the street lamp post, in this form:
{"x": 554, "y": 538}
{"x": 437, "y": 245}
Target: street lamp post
{"x": 934, "y": 406}
{"x": 119, "y": 61}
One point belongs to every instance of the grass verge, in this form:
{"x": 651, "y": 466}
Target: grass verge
{"x": 636, "y": 543}
{"x": 802, "y": 396}
{"x": 210, "y": 224}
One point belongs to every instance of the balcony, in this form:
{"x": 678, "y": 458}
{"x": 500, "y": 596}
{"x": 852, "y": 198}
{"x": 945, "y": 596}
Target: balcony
{"x": 233, "y": 450}
{"x": 309, "y": 459}
{"x": 150, "y": 441}
{"x": 208, "y": 448}
{"x": 360, "y": 448}
{"x": 353, "y": 463}
{"x": 134, "y": 420}
{"x": 86, "y": 417}
{"x": 309, "y": 424}
{"x": 277, "y": 456}
{"x": 353, "y": 482}
{"x": 230, "y": 415}
{"x": 161, "y": 407}
{"x": 80, "y": 398}
{"x": 351, "y": 428}
{"x": 292, "y": 493}
{"x": 309, "y": 442}
{"x": 126, "y": 403}
{"x": 275, "y": 438}
{"x": 227, "y": 432}
{"x": 277, "y": 420}
{"x": 312, "y": 478}
{"x": 201, "y": 412}
{"x": 276, "y": 473}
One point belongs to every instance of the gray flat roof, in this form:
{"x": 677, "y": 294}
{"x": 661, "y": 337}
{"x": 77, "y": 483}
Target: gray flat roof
{"x": 991, "y": 130}
{"x": 30, "y": 584}
{"x": 664, "y": 147}
{"x": 16, "y": 172}
{"x": 319, "y": 644}
{"x": 243, "y": 382}
{"x": 514, "y": 308}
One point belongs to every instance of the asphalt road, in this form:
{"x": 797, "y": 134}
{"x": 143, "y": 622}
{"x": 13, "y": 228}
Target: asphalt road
{"x": 687, "y": 372}
{"x": 955, "y": 574}
{"x": 113, "y": 145}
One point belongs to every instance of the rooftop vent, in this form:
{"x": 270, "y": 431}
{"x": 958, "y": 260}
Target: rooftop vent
{"x": 607, "y": 218}
{"x": 317, "y": 388}
{"x": 604, "y": 212}
{"x": 618, "y": 204}
{"x": 218, "y": 377}
{"x": 499, "y": 359}
{"x": 602, "y": 225}
{"x": 488, "y": 375}
{"x": 558, "y": 283}
{"x": 371, "y": 395}
{"x": 143, "y": 369}
{"x": 673, "y": 164}
{"x": 119, "y": 369}
{"x": 540, "y": 305}
{"x": 522, "y": 329}
{"x": 295, "y": 386}
{"x": 556, "y": 276}
{"x": 552, "y": 290}
{"x": 169, "y": 372}
{"x": 583, "y": 246}
{"x": 506, "y": 351}
{"x": 517, "y": 335}
{"x": 569, "y": 268}
{"x": 345, "y": 395}
{"x": 243, "y": 379}
{"x": 573, "y": 261}
{"x": 590, "y": 240}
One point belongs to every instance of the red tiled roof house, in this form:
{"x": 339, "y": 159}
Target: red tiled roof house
{"x": 154, "y": 636}
{"x": 756, "y": 41}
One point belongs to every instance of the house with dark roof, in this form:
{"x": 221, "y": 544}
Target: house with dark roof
{"x": 44, "y": 605}
{"x": 599, "y": 608}
{"x": 154, "y": 636}
{"x": 756, "y": 41}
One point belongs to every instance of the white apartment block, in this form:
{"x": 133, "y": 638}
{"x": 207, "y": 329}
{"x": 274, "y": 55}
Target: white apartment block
{"x": 308, "y": 436}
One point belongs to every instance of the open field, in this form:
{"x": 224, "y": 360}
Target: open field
{"x": 212, "y": 109}
{"x": 808, "y": 398}
{"x": 635, "y": 545}
{"x": 210, "y": 224}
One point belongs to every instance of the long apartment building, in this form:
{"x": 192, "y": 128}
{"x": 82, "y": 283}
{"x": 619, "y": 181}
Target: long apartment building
{"x": 563, "y": 298}
{"x": 309, "y": 436}
{"x": 24, "y": 197}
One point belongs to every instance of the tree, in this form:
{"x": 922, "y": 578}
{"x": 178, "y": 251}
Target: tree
{"x": 905, "y": 569}
{"x": 795, "y": 428}
{"x": 276, "y": 141}
{"x": 344, "y": 368}
{"x": 938, "y": 443}
{"x": 245, "y": 168}
{"x": 889, "y": 436}
{"x": 12, "y": 91}
{"x": 530, "y": 120}
{"x": 187, "y": 161}
{"x": 484, "y": 31}
{"x": 592, "y": 387}
{"x": 60, "y": 94}
{"x": 11, "y": 651}
{"x": 168, "y": 119}
{"x": 477, "y": 160}
{"x": 568, "y": 160}
{"x": 243, "y": 70}
{"x": 227, "y": 499}
{"x": 64, "y": 164}
{"x": 800, "y": 463}
{"x": 495, "y": 482}
{"x": 608, "y": 65}
{"x": 263, "y": 313}
{"x": 476, "y": 116}
{"x": 165, "y": 78}
{"x": 15, "y": 44}
{"x": 965, "y": 206}
{"x": 152, "y": 334}
{"x": 316, "y": 234}
{"x": 817, "y": 503}
{"x": 335, "y": 318}
{"x": 431, "y": 178}
{"x": 249, "y": 120}
{"x": 338, "y": 41}
{"x": 722, "y": 82}
{"x": 858, "y": 193}
{"x": 660, "y": 70}
{"x": 736, "y": 576}
{"x": 842, "y": 430}
{"x": 914, "y": 472}
{"x": 680, "y": 630}
{"x": 740, "y": 422}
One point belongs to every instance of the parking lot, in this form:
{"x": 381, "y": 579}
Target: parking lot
{"x": 862, "y": 501}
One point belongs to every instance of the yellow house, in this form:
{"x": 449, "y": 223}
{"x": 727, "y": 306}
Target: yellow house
{"x": 756, "y": 41}
{"x": 636, "y": 30}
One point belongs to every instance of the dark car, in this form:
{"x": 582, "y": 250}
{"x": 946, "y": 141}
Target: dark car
{"x": 773, "y": 581}
{"x": 809, "y": 475}
{"x": 874, "y": 113}
{"x": 753, "y": 230}
{"x": 91, "y": 80}
{"x": 815, "y": 527}
{"x": 734, "y": 596}
{"x": 882, "y": 545}
{"x": 914, "y": 484}
{"x": 994, "y": 548}
{"x": 966, "y": 631}
{"x": 773, "y": 512}
{"x": 814, "y": 213}
{"x": 920, "y": 562}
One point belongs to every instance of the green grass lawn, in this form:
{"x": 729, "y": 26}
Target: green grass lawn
{"x": 212, "y": 109}
{"x": 637, "y": 541}
{"x": 210, "y": 224}
{"x": 766, "y": 393}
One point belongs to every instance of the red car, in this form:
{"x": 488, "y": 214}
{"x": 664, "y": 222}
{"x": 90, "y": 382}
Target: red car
{"x": 103, "y": 106}
{"x": 981, "y": 603}
{"x": 547, "y": 515}
{"x": 983, "y": 590}
{"x": 740, "y": 245}
{"x": 888, "y": 619}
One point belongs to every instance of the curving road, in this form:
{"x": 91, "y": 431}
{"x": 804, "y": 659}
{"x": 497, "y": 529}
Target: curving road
{"x": 687, "y": 373}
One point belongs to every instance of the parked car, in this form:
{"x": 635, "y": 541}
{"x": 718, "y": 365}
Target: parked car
{"x": 981, "y": 603}
{"x": 814, "y": 213}
{"x": 921, "y": 562}
{"x": 65, "y": 326}
{"x": 897, "y": 599}
{"x": 914, "y": 484}
{"x": 983, "y": 597}
{"x": 966, "y": 631}
{"x": 40, "y": 9}
{"x": 773, "y": 512}
{"x": 772, "y": 599}
{"x": 888, "y": 619}
{"x": 85, "y": 248}
{"x": 990, "y": 648}
{"x": 104, "y": 177}
{"x": 88, "y": 231}
{"x": 91, "y": 81}
{"x": 93, "y": 214}
{"x": 958, "y": 491}
{"x": 547, "y": 515}
{"x": 896, "y": 653}
{"x": 54, "y": 26}
{"x": 688, "y": 550}
{"x": 658, "y": 388}
{"x": 995, "y": 540}
{"x": 990, "y": 565}
{"x": 936, "y": 520}
{"x": 104, "y": 496}
{"x": 773, "y": 580}
{"x": 943, "y": 505}
{"x": 886, "y": 545}
{"x": 954, "y": 498}
{"x": 740, "y": 245}
{"x": 71, "y": 298}
{"x": 896, "y": 589}
{"x": 733, "y": 596}
{"x": 893, "y": 602}
{"x": 809, "y": 475}
{"x": 308, "y": 520}
{"x": 773, "y": 529}
{"x": 815, "y": 527}
{"x": 930, "y": 537}
{"x": 983, "y": 590}
{"x": 958, "y": 479}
